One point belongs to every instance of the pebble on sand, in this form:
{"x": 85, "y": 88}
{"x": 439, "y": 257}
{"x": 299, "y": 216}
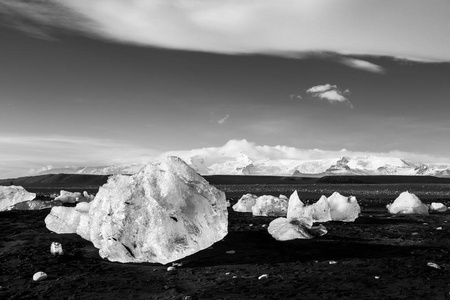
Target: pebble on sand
{"x": 56, "y": 249}
{"x": 433, "y": 265}
{"x": 39, "y": 276}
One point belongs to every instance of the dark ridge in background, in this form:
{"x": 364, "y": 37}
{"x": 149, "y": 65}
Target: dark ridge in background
{"x": 95, "y": 181}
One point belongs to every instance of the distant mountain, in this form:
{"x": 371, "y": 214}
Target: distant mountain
{"x": 244, "y": 158}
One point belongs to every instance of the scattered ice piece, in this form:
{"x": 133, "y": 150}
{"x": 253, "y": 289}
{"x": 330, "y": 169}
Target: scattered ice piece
{"x": 439, "y": 207}
{"x": 270, "y": 206}
{"x": 433, "y": 265}
{"x": 345, "y": 209}
{"x": 10, "y": 195}
{"x": 68, "y": 197}
{"x": 250, "y": 225}
{"x": 245, "y": 203}
{"x": 406, "y": 204}
{"x": 377, "y": 277}
{"x": 231, "y": 252}
{"x": 227, "y": 273}
{"x": 56, "y": 248}
{"x": 415, "y": 233}
{"x": 177, "y": 264}
{"x": 283, "y": 229}
{"x": 425, "y": 223}
{"x": 171, "y": 269}
{"x": 332, "y": 262}
{"x": 263, "y": 276}
{"x": 264, "y": 225}
{"x": 228, "y": 203}
{"x": 439, "y": 228}
{"x": 235, "y": 276}
{"x": 39, "y": 276}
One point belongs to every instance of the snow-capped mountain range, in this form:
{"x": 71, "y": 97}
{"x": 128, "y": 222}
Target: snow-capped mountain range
{"x": 239, "y": 157}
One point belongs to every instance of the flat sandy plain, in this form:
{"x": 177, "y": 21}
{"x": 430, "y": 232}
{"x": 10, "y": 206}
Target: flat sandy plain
{"x": 379, "y": 256}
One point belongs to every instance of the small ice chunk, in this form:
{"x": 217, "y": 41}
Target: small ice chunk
{"x": 11, "y": 195}
{"x": 345, "y": 209}
{"x": 406, "y": 204}
{"x": 245, "y": 203}
{"x": 439, "y": 207}
{"x": 263, "y": 276}
{"x": 283, "y": 229}
{"x": 270, "y": 206}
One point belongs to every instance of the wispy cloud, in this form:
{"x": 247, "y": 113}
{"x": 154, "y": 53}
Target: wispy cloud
{"x": 233, "y": 26}
{"x": 331, "y": 93}
{"x": 223, "y": 120}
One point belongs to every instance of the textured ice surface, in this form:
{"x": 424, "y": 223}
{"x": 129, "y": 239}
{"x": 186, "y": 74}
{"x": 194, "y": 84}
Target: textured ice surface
{"x": 160, "y": 214}
{"x": 283, "y": 229}
{"x": 407, "y": 204}
{"x": 10, "y": 195}
{"x": 345, "y": 209}
{"x": 245, "y": 203}
{"x": 270, "y": 206}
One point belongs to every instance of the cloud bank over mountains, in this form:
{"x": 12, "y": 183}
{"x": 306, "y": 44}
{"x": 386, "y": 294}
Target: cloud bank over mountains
{"x": 24, "y": 156}
{"x": 403, "y": 28}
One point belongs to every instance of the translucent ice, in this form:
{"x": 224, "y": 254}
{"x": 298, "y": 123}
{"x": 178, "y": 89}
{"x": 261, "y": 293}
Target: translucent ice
{"x": 10, "y": 195}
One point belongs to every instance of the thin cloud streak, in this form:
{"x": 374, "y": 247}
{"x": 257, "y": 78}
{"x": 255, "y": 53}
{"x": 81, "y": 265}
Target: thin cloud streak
{"x": 223, "y": 120}
{"x": 399, "y": 29}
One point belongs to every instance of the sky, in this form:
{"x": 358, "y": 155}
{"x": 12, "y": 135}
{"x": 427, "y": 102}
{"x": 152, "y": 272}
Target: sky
{"x": 93, "y": 83}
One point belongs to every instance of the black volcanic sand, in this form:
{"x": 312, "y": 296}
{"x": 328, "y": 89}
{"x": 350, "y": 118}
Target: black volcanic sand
{"x": 378, "y": 256}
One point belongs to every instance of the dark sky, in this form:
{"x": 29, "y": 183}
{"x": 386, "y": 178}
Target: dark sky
{"x": 70, "y": 98}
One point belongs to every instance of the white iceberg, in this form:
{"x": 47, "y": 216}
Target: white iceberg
{"x": 161, "y": 214}
{"x": 270, "y": 206}
{"x": 406, "y": 204}
{"x": 11, "y": 195}
{"x": 245, "y": 203}
{"x": 345, "y": 209}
